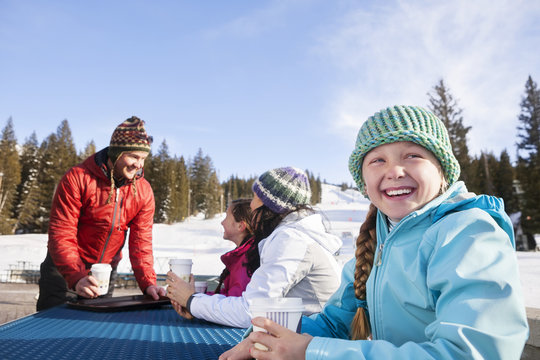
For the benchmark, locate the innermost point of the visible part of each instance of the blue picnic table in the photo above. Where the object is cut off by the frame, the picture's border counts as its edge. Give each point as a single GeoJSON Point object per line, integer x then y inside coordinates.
{"type": "Point", "coordinates": [68, 333]}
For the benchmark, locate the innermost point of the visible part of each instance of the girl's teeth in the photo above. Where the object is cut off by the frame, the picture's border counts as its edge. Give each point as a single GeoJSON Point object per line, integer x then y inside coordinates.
{"type": "Point", "coordinates": [398, 192]}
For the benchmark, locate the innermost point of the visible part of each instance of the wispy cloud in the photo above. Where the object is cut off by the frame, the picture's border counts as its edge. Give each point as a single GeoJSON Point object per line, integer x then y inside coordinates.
{"type": "Point", "coordinates": [396, 52]}
{"type": "Point", "coordinates": [257, 21]}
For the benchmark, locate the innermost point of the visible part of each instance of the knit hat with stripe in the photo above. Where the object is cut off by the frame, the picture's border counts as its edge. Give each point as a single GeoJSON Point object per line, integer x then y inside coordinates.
{"type": "Point", "coordinates": [404, 123]}
{"type": "Point", "coordinates": [129, 136]}
{"type": "Point", "coordinates": [283, 189]}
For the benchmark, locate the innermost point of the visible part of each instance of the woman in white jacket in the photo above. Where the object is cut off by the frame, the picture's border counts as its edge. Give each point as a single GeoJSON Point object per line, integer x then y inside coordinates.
{"type": "Point", "coordinates": [292, 255]}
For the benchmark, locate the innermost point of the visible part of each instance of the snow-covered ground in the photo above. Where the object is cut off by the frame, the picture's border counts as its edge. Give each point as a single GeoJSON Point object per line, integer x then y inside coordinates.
{"type": "Point", "coordinates": [202, 241]}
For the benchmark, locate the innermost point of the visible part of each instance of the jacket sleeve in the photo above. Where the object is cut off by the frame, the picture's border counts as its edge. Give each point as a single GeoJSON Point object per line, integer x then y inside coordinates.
{"type": "Point", "coordinates": [140, 239]}
{"type": "Point", "coordinates": [335, 318]}
{"type": "Point", "coordinates": [280, 258]}
{"type": "Point", "coordinates": [479, 313]}
{"type": "Point", "coordinates": [62, 245]}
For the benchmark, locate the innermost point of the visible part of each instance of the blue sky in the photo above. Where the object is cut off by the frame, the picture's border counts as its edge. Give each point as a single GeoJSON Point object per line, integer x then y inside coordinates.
{"type": "Point", "coordinates": [262, 84]}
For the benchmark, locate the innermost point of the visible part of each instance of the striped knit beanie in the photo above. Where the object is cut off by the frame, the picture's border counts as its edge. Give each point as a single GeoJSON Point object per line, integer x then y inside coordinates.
{"type": "Point", "coordinates": [129, 136]}
{"type": "Point", "coordinates": [283, 189]}
{"type": "Point", "coordinates": [404, 123]}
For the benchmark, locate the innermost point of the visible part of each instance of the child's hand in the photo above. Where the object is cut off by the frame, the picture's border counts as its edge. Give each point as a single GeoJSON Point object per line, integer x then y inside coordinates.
{"type": "Point", "coordinates": [239, 352]}
{"type": "Point", "coordinates": [281, 342]}
{"type": "Point", "coordinates": [182, 311]}
{"type": "Point", "coordinates": [179, 290]}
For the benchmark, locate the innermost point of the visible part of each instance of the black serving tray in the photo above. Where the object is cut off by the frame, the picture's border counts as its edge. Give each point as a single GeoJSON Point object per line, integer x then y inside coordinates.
{"type": "Point", "coordinates": [119, 303]}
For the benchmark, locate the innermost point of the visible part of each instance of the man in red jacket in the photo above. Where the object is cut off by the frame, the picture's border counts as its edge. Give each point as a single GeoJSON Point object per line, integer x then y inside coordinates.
{"type": "Point", "coordinates": [95, 204]}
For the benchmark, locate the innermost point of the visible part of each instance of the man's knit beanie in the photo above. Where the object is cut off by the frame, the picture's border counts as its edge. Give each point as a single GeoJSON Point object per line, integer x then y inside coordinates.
{"type": "Point", "coordinates": [129, 136]}
{"type": "Point", "coordinates": [283, 189]}
{"type": "Point", "coordinates": [404, 123]}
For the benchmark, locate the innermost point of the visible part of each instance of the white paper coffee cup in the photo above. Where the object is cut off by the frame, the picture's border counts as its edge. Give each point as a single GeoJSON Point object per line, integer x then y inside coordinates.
{"type": "Point", "coordinates": [287, 312]}
{"type": "Point", "coordinates": [201, 286]}
{"type": "Point", "coordinates": [102, 273]}
{"type": "Point", "coordinates": [181, 267]}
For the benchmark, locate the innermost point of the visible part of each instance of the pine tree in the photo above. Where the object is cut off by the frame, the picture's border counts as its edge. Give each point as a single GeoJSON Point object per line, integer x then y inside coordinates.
{"type": "Point", "coordinates": [47, 180]}
{"type": "Point", "coordinates": [181, 191]}
{"type": "Point", "coordinates": [230, 189]}
{"type": "Point", "coordinates": [58, 156]}
{"type": "Point", "coordinates": [319, 186]}
{"type": "Point", "coordinates": [161, 183]}
{"type": "Point", "coordinates": [484, 167]}
{"type": "Point", "coordinates": [491, 167]}
{"type": "Point", "coordinates": [89, 150]}
{"type": "Point", "coordinates": [214, 198]}
{"type": "Point", "coordinates": [234, 185]}
{"type": "Point", "coordinates": [236, 188]}
{"type": "Point", "coordinates": [248, 188]}
{"type": "Point", "coordinates": [445, 107]}
{"type": "Point", "coordinates": [66, 155]}
{"type": "Point", "coordinates": [27, 205]}
{"type": "Point", "coordinates": [528, 148]}
{"type": "Point", "coordinates": [315, 185]}
{"type": "Point", "coordinates": [10, 177]}
{"type": "Point", "coordinates": [199, 175]}
{"type": "Point", "coordinates": [503, 181]}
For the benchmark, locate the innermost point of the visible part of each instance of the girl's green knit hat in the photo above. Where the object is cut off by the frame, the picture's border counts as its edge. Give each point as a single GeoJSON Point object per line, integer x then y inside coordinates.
{"type": "Point", "coordinates": [404, 123]}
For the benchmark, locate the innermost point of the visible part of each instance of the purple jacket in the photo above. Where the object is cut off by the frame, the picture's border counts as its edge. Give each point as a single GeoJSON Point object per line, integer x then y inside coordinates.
{"type": "Point", "coordinates": [236, 282]}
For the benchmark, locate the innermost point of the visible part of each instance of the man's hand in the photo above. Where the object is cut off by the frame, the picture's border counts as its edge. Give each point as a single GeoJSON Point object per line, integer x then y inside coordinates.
{"type": "Point", "coordinates": [87, 287]}
{"type": "Point", "coordinates": [155, 291]}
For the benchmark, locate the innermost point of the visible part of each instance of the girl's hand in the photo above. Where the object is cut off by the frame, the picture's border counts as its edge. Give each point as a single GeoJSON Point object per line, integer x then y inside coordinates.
{"type": "Point", "coordinates": [179, 290]}
{"type": "Point", "coordinates": [239, 352]}
{"type": "Point", "coordinates": [182, 311]}
{"type": "Point", "coordinates": [281, 342]}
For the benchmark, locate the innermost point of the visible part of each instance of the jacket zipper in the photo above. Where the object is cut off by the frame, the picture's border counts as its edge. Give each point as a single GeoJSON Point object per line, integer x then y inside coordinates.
{"type": "Point", "coordinates": [378, 262]}
{"type": "Point", "coordinates": [375, 272]}
{"type": "Point", "coordinates": [120, 214]}
{"type": "Point", "coordinates": [112, 225]}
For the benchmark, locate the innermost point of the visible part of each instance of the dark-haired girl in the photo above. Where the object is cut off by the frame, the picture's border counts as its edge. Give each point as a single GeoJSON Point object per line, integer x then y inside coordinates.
{"type": "Point", "coordinates": [292, 255]}
{"type": "Point", "coordinates": [237, 229]}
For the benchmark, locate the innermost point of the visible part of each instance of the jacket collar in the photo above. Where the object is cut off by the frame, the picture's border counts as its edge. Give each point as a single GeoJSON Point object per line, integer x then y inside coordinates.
{"type": "Point", "coordinates": [456, 198]}
{"type": "Point", "coordinates": [233, 255]}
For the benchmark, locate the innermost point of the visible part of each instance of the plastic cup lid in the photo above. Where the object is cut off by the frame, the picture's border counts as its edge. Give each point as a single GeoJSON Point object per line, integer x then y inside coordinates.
{"type": "Point", "coordinates": [180, 261]}
{"type": "Point", "coordinates": [101, 267]}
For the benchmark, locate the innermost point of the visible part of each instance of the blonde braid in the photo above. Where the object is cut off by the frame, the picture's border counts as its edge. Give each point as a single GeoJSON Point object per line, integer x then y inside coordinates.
{"type": "Point", "coordinates": [365, 250]}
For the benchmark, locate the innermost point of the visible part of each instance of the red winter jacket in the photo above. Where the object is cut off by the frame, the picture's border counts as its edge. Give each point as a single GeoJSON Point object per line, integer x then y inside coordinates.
{"type": "Point", "coordinates": [84, 229]}
{"type": "Point", "coordinates": [236, 282]}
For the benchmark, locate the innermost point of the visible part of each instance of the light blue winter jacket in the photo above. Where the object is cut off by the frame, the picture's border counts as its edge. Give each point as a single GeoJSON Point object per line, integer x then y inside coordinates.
{"type": "Point", "coordinates": [446, 287]}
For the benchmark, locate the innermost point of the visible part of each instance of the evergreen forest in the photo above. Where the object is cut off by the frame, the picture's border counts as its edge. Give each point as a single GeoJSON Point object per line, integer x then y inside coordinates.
{"type": "Point", "coordinates": [30, 171]}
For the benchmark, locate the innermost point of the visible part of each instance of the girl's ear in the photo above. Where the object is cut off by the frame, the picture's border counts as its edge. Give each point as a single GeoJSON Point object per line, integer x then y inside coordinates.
{"type": "Point", "coordinates": [242, 226]}
{"type": "Point", "coordinates": [444, 183]}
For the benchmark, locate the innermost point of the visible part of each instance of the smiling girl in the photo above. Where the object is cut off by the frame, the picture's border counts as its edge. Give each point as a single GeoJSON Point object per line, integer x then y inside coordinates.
{"type": "Point", "coordinates": [435, 273]}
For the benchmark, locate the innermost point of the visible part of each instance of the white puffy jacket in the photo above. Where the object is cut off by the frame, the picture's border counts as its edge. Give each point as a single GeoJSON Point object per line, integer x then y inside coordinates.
{"type": "Point", "coordinates": [296, 261]}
